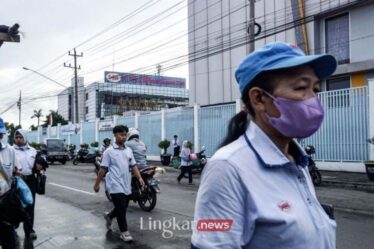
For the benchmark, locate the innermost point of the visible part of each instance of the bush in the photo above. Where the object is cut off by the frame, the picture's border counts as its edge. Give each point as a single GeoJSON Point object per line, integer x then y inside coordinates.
{"type": "Point", "coordinates": [95, 144]}
{"type": "Point", "coordinates": [35, 145]}
{"type": "Point", "coordinates": [164, 144]}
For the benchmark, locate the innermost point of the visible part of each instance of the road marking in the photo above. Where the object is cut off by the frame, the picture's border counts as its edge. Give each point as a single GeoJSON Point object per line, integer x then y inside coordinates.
{"type": "Point", "coordinates": [70, 188]}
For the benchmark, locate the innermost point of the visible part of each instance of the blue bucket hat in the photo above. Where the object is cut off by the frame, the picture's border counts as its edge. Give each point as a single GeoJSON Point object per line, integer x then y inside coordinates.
{"type": "Point", "coordinates": [2, 127]}
{"type": "Point", "coordinates": [281, 55]}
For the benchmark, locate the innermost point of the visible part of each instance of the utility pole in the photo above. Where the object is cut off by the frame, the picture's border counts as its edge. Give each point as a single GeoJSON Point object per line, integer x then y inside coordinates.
{"type": "Point", "coordinates": [19, 105]}
{"type": "Point", "coordinates": [251, 25]}
{"type": "Point", "coordinates": [75, 67]}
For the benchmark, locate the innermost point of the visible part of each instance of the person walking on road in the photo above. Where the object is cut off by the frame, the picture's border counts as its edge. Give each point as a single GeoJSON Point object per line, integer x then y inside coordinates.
{"type": "Point", "coordinates": [186, 162]}
{"type": "Point", "coordinates": [176, 146]}
{"type": "Point", "coordinates": [118, 161]}
{"type": "Point", "coordinates": [256, 187]}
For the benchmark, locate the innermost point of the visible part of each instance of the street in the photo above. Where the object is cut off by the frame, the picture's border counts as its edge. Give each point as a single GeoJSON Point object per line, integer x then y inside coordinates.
{"type": "Point", "coordinates": [70, 215]}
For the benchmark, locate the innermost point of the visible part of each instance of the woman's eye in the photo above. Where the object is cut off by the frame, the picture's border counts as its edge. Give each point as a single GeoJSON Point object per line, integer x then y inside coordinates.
{"type": "Point", "coordinates": [301, 88]}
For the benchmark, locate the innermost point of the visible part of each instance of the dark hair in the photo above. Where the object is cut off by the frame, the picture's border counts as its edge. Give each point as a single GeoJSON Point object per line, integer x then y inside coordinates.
{"type": "Point", "coordinates": [106, 140]}
{"type": "Point", "coordinates": [120, 128]}
{"type": "Point", "coordinates": [239, 123]}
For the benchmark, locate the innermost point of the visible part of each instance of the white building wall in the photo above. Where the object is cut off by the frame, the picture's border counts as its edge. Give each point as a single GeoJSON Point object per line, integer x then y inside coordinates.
{"type": "Point", "coordinates": [63, 103]}
{"type": "Point", "coordinates": [212, 79]}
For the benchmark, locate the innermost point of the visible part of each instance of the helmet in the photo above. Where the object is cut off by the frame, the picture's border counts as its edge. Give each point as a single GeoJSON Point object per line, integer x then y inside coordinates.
{"type": "Point", "coordinates": [310, 150]}
{"type": "Point", "coordinates": [193, 156]}
{"type": "Point", "coordinates": [133, 132]}
{"type": "Point", "coordinates": [106, 140]}
{"type": "Point", "coordinates": [2, 127]}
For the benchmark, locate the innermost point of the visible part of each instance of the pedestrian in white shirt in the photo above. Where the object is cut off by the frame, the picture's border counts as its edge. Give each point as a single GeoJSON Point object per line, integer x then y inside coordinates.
{"type": "Point", "coordinates": [118, 161]}
{"type": "Point", "coordinates": [26, 156]}
{"type": "Point", "coordinates": [256, 191]}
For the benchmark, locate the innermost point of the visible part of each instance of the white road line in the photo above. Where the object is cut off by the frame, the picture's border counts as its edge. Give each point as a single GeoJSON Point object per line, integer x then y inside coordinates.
{"type": "Point", "coordinates": [70, 188]}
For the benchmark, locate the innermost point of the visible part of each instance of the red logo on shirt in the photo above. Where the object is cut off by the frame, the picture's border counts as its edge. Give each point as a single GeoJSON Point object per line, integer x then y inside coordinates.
{"type": "Point", "coordinates": [284, 206]}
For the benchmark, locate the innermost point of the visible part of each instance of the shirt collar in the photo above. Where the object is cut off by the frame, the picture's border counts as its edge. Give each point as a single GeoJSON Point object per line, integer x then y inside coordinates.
{"type": "Point", "coordinates": [268, 152]}
{"type": "Point", "coordinates": [115, 146]}
{"type": "Point", "coordinates": [25, 147]}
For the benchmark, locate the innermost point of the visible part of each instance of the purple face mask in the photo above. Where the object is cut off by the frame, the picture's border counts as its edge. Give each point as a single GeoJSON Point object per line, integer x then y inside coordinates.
{"type": "Point", "coordinates": [299, 118]}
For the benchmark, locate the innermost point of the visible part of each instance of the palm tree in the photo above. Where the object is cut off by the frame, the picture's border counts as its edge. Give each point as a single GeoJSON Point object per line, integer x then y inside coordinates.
{"type": "Point", "coordinates": [37, 114]}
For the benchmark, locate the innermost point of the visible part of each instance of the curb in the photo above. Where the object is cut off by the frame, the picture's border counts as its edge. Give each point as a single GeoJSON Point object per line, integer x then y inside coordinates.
{"type": "Point", "coordinates": [350, 185]}
{"type": "Point", "coordinates": [354, 211]}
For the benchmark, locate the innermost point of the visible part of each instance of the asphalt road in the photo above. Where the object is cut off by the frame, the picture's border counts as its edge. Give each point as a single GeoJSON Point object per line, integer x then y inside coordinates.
{"type": "Point", "coordinates": [79, 211]}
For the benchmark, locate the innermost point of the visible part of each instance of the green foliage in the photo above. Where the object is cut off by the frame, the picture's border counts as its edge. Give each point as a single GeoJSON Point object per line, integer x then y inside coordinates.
{"type": "Point", "coordinates": [56, 119]}
{"type": "Point", "coordinates": [86, 146]}
{"type": "Point", "coordinates": [164, 144]}
{"type": "Point", "coordinates": [37, 114]}
{"type": "Point", "coordinates": [35, 145]}
{"type": "Point", "coordinates": [11, 128]}
{"type": "Point", "coordinates": [371, 140]}
{"type": "Point", "coordinates": [95, 144]}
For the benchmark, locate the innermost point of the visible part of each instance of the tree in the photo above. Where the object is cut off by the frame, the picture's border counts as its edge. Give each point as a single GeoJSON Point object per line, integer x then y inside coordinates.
{"type": "Point", "coordinates": [37, 114]}
{"type": "Point", "coordinates": [33, 127]}
{"type": "Point", "coordinates": [56, 119]}
{"type": "Point", "coordinates": [11, 128]}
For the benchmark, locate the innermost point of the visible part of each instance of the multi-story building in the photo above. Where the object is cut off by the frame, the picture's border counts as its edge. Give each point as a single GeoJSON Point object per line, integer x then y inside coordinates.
{"type": "Point", "coordinates": [219, 40]}
{"type": "Point", "coordinates": [124, 92]}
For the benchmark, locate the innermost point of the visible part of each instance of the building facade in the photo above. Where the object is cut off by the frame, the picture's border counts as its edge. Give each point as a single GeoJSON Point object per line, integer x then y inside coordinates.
{"type": "Point", "coordinates": [219, 40]}
{"type": "Point", "coordinates": [123, 93]}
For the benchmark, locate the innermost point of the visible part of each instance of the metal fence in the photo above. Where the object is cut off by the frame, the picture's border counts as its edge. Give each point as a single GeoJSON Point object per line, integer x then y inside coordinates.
{"type": "Point", "coordinates": [342, 137]}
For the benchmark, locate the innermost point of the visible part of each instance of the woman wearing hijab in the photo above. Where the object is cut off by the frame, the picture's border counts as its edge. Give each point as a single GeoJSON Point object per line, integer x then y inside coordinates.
{"type": "Point", "coordinates": [186, 162]}
{"type": "Point", "coordinates": [26, 156]}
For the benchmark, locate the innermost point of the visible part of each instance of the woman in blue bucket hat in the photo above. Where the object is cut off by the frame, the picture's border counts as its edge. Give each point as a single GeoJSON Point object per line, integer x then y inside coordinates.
{"type": "Point", "coordinates": [256, 191]}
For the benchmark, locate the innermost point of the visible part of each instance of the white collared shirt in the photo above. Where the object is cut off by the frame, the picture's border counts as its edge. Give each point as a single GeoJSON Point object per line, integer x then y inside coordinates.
{"type": "Point", "coordinates": [26, 158]}
{"type": "Point", "coordinates": [271, 201]}
{"type": "Point", "coordinates": [118, 161]}
{"type": "Point", "coordinates": [8, 160]}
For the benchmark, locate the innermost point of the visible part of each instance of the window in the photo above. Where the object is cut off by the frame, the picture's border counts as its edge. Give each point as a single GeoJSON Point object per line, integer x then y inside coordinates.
{"type": "Point", "coordinates": [337, 38]}
{"type": "Point", "coordinates": [338, 83]}
{"type": "Point", "coordinates": [86, 109]}
{"type": "Point", "coordinates": [86, 96]}
{"type": "Point", "coordinates": [338, 98]}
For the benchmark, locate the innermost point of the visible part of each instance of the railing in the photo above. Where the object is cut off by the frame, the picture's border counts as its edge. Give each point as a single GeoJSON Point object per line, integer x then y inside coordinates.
{"type": "Point", "coordinates": [342, 137]}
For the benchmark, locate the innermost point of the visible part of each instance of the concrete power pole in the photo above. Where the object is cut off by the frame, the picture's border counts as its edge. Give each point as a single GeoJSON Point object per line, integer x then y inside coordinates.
{"type": "Point", "coordinates": [252, 25]}
{"type": "Point", "coordinates": [75, 67]}
{"type": "Point", "coordinates": [19, 105]}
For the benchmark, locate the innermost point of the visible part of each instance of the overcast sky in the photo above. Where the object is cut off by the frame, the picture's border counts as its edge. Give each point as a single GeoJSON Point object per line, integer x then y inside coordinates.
{"type": "Point", "coordinates": [52, 28]}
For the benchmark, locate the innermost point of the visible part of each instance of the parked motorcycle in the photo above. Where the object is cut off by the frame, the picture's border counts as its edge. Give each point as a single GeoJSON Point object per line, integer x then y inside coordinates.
{"type": "Point", "coordinates": [145, 197]}
{"type": "Point", "coordinates": [313, 170]}
{"type": "Point", "coordinates": [84, 156]}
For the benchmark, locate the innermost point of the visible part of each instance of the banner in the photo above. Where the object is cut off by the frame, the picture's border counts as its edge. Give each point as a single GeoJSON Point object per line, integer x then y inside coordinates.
{"type": "Point", "coordinates": [70, 129]}
{"type": "Point", "coordinates": [143, 79]}
{"type": "Point", "coordinates": [106, 126]}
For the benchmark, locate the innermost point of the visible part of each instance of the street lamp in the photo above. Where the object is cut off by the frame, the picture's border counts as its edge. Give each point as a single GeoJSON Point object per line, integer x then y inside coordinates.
{"type": "Point", "coordinates": [28, 69]}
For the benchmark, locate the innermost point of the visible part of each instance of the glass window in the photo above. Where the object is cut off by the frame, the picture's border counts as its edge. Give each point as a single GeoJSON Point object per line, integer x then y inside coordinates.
{"type": "Point", "coordinates": [338, 83]}
{"type": "Point", "coordinates": [337, 38]}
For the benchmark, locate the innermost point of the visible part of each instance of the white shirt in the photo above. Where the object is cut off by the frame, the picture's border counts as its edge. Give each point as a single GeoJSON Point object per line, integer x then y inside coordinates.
{"type": "Point", "coordinates": [8, 159]}
{"type": "Point", "coordinates": [271, 201]}
{"type": "Point", "coordinates": [118, 161]}
{"type": "Point", "coordinates": [26, 158]}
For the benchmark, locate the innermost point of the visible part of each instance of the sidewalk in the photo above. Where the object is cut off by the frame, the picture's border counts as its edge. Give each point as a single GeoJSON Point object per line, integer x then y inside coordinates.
{"type": "Point", "coordinates": [59, 225]}
{"type": "Point", "coordinates": [358, 181]}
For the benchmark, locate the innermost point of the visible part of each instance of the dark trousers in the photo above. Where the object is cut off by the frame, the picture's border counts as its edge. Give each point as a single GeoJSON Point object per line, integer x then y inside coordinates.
{"type": "Point", "coordinates": [28, 227]}
{"type": "Point", "coordinates": [121, 202]}
{"type": "Point", "coordinates": [184, 170]}
{"type": "Point", "coordinates": [7, 236]}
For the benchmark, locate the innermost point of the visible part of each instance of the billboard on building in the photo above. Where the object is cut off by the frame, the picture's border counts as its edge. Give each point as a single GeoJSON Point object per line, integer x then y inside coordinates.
{"type": "Point", "coordinates": [70, 129]}
{"type": "Point", "coordinates": [144, 79]}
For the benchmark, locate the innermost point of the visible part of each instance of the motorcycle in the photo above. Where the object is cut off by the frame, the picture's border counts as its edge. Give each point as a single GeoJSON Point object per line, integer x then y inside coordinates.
{"type": "Point", "coordinates": [313, 170]}
{"type": "Point", "coordinates": [145, 197]}
{"type": "Point", "coordinates": [84, 156]}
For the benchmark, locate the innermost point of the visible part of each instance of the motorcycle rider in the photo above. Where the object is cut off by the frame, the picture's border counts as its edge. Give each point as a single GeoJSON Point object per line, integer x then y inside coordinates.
{"type": "Point", "coordinates": [139, 149]}
{"type": "Point", "coordinates": [106, 144]}
{"type": "Point", "coordinates": [9, 166]}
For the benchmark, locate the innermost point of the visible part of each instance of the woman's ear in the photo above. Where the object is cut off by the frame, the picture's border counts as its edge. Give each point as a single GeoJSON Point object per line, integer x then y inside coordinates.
{"type": "Point", "coordinates": [257, 99]}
